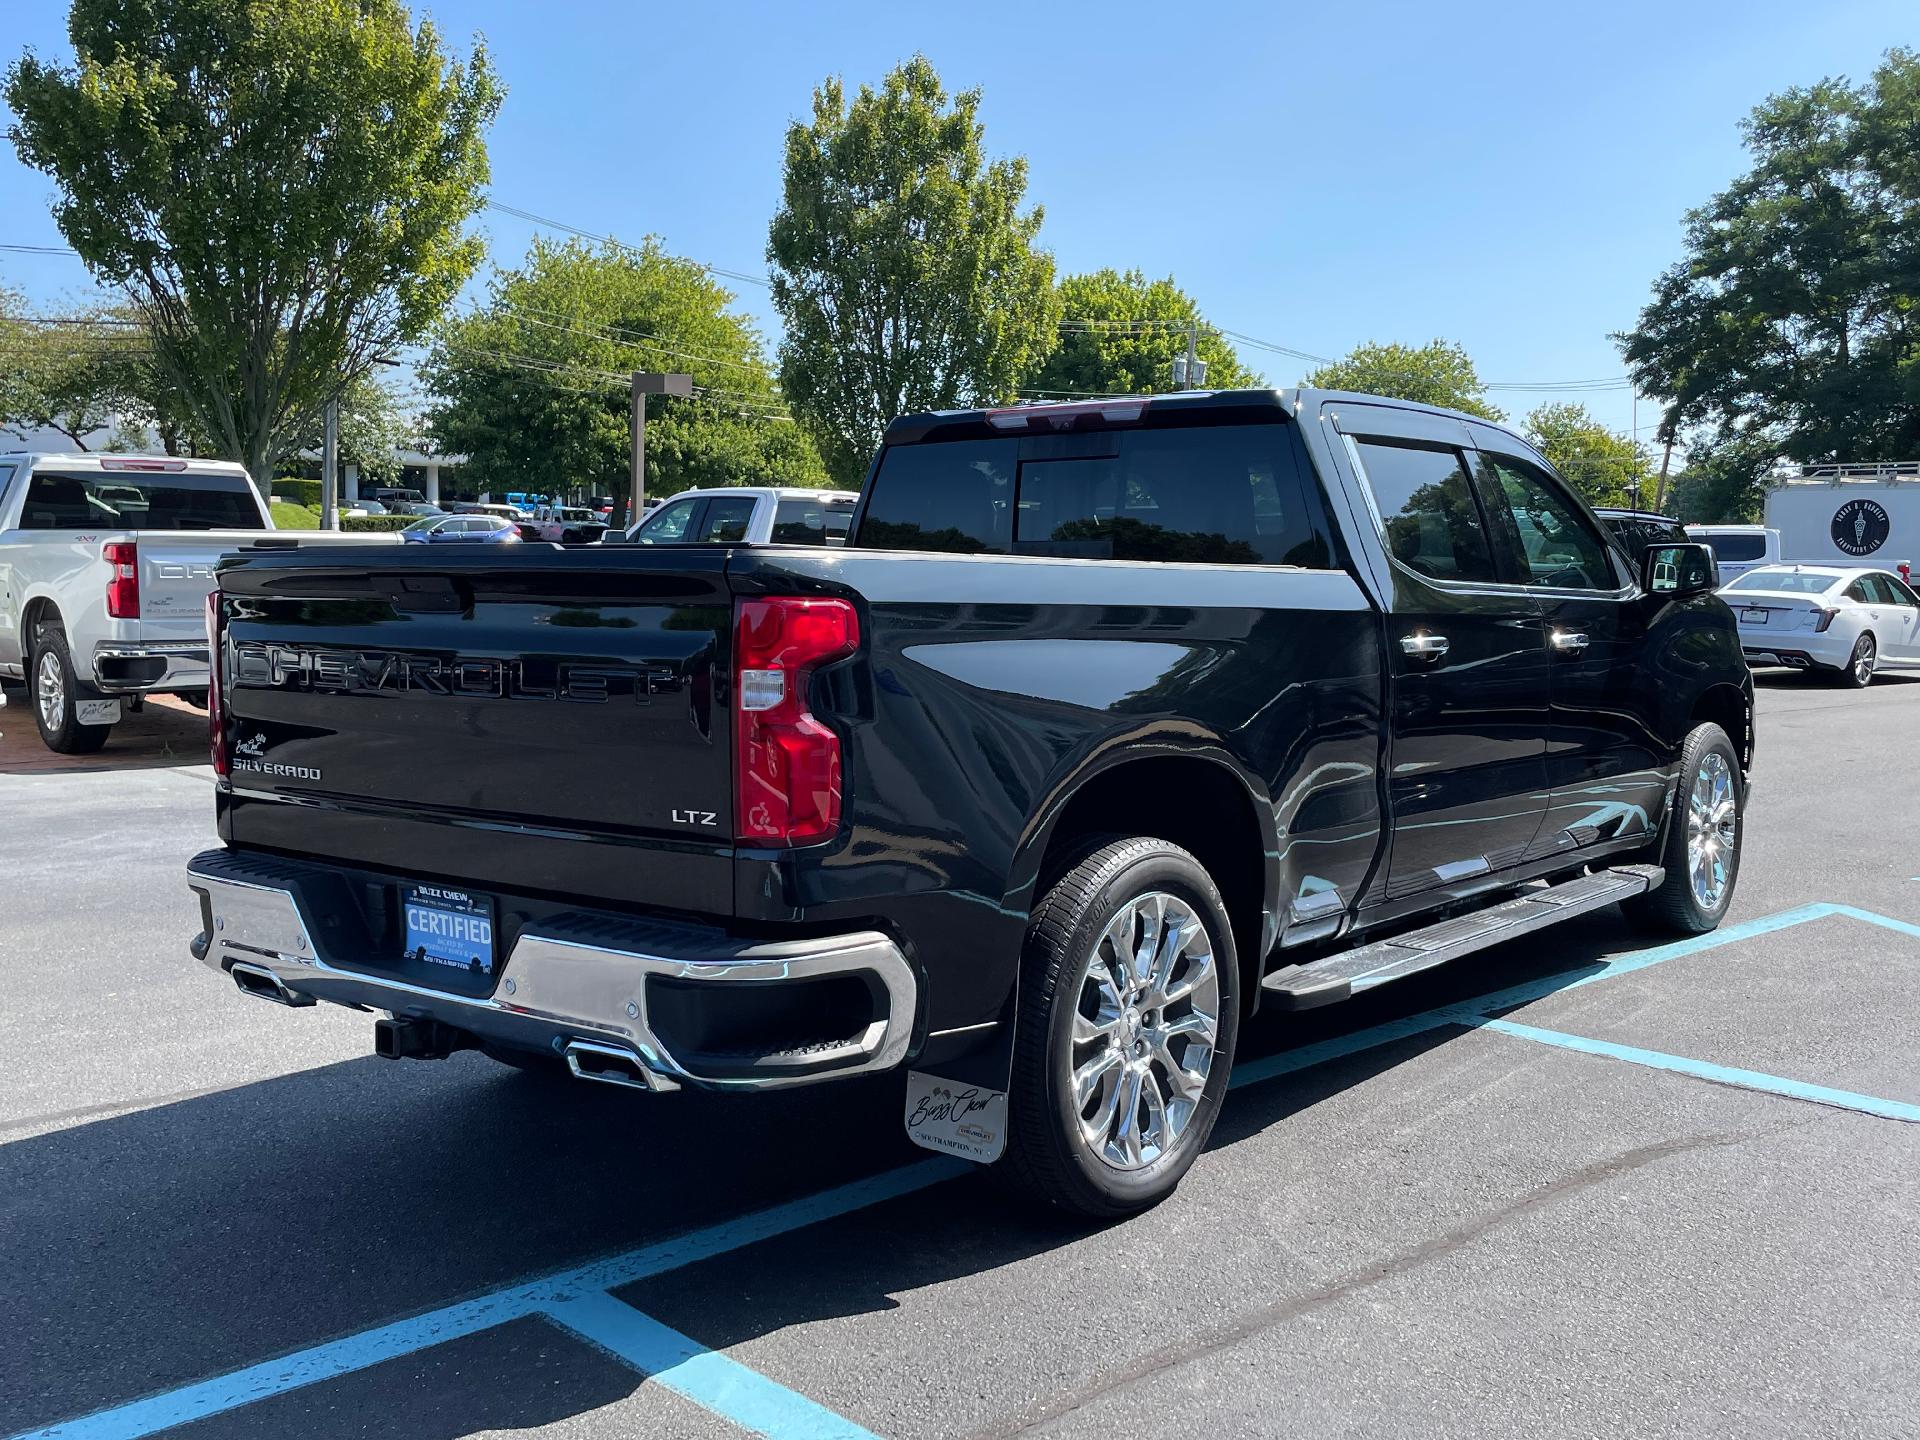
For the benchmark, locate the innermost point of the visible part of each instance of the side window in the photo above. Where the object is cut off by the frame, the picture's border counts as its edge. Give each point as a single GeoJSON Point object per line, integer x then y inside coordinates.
{"type": "Point", "coordinates": [1900, 593]}
{"type": "Point", "coordinates": [1861, 593]}
{"type": "Point", "coordinates": [1557, 546]}
{"type": "Point", "coordinates": [668, 524]}
{"type": "Point", "coordinates": [726, 520]}
{"type": "Point", "coordinates": [1428, 515]}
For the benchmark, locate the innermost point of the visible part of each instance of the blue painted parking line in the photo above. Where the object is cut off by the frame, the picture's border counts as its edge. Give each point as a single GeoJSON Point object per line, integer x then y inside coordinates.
{"type": "Point", "coordinates": [1719, 1074]}
{"type": "Point", "coordinates": [711, 1380]}
{"type": "Point", "coordinates": [577, 1297]}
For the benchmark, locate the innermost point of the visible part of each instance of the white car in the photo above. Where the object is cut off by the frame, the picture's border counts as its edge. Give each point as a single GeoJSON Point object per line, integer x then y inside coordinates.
{"type": "Point", "coordinates": [105, 565]}
{"type": "Point", "coordinates": [1832, 618]}
{"type": "Point", "coordinates": [749, 515]}
{"type": "Point", "coordinates": [1738, 548]}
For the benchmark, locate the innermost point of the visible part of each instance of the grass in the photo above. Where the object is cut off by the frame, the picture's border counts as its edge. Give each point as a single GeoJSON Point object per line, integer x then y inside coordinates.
{"type": "Point", "coordinates": [294, 517]}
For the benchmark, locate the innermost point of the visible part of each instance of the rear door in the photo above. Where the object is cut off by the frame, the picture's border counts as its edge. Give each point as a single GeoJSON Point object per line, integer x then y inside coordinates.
{"type": "Point", "coordinates": [1607, 768]}
{"type": "Point", "coordinates": [1900, 615]}
{"type": "Point", "coordinates": [1469, 695]}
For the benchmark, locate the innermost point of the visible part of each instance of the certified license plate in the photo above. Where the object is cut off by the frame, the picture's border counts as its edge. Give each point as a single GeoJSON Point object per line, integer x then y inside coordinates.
{"type": "Point", "coordinates": [1753, 617]}
{"type": "Point", "coordinates": [449, 927]}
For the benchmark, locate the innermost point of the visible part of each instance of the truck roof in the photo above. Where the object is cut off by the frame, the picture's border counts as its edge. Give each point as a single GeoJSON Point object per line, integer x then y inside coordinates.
{"type": "Point", "coordinates": [1150, 411]}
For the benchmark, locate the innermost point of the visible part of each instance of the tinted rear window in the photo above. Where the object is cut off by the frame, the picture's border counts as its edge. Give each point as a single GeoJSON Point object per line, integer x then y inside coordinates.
{"type": "Point", "coordinates": [1736, 547]}
{"type": "Point", "coordinates": [806, 521]}
{"type": "Point", "coordinates": [1223, 495]}
{"type": "Point", "coordinates": [131, 500]}
{"type": "Point", "coordinates": [1792, 582]}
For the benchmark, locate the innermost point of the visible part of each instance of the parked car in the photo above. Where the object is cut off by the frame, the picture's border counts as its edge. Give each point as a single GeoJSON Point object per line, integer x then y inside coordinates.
{"type": "Point", "coordinates": [1845, 621]}
{"type": "Point", "coordinates": [1640, 530]}
{"type": "Point", "coordinates": [749, 515]}
{"type": "Point", "coordinates": [105, 565]}
{"type": "Point", "coordinates": [468, 507]}
{"type": "Point", "coordinates": [397, 498]}
{"type": "Point", "coordinates": [365, 506]}
{"type": "Point", "coordinates": [563, 524]}
{"type": "Point", "coordinates": [1116, 720]}
{"type": "Point", "coordinates": [1738, 548]}
{"type": "Point", "coordinates": [468, 529]}
{"type": "Point", "coordinates": [414, 507]}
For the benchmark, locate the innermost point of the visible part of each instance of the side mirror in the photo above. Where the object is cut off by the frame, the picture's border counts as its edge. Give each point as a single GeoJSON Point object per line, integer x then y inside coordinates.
{"type": "Point", "coordinates": [1677, 571]}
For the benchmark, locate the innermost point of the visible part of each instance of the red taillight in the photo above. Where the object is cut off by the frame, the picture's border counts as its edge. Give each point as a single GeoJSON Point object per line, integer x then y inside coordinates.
{"type": "Point", "coordinates": [1826, 619]}
{"type": "Point", "coordinates": [123, 590]}
{"type": "Point", "coordinates": [216, 701]}
{"type": "Point", "coordinates": [787, 780]}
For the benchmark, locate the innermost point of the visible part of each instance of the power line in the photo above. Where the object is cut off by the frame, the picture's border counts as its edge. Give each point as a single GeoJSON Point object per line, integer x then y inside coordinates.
{"type": "Point", "coordinates": [38, 250]}
{"type": "Point", "coordinates": [599, 239]}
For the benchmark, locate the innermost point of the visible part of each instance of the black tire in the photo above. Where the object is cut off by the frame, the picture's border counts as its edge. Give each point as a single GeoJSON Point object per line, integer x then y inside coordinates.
{"type": "Point", "coordinates": [1047, 1154]}
{"type": "Point", "coordinates": [1676, 908]}
{"type": "Point", "coordinates": [50, 666]}
{"type": "Point", "coordinates": [1857, 673]}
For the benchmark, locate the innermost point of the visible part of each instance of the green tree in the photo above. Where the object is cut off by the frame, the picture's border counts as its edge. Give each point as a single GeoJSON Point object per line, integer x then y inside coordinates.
{"type": "Point", "coordinates": [280, 187]}
{"type": "Point", "coordinates": [1438, 373]}
{"type": "Point", "coordinates": [1601, 463]}
{"type": "Point", "coordinates": [76, 375]}
{"type": "Point", "coordinates": [1790, 322]}
{"type": "Point", "coordinates": [1120, 334]}
{"type": "Point", "coordinates": [904, 269]}
{"type": "Point", "coordinates": [532, 387]}
{"type": "Point", "coordinates": [1724, 481]}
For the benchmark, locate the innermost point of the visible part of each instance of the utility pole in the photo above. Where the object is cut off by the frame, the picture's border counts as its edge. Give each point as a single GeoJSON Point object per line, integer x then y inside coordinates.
{"type": "Point", "coordinates": [645, 384]}
{"type": "Point", "coordinates": [330, 468]}
{"type": "Point", "coordinates": [1189, 370]}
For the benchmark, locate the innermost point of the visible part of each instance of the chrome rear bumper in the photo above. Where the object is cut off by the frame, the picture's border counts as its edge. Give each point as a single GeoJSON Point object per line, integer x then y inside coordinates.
{"type": "Point", "coordinates": [579, 980]}
{"type": "Point", "coordinates": [135, 667]}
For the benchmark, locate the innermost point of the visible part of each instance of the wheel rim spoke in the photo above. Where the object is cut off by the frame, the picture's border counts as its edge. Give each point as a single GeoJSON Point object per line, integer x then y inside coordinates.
{"type": "Point", "coordinates": [1141, 1043]}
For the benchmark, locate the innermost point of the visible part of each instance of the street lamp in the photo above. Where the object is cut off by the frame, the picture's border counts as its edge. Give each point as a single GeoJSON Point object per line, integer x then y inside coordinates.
{"type": "Point", "coordinates": [645, 384]}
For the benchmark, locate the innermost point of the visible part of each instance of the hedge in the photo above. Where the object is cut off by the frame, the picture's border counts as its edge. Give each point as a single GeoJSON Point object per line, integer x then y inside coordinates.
{"type": "Point", "coordinates": [296, 491]}
{"type": "Point", "coordinates": [377, 522]}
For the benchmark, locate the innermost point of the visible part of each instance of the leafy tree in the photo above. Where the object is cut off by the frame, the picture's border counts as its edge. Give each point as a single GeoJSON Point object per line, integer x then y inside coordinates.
{"type": "Point", "coordinates": [279, 186]}
{"type": "Point", "coordinates": [1790, 322]}
{"type": "Point", "coordinates": [372, 427]}
{"type": "Point", "coordinates": [1601, 463]}
{"type": "Point", "coordinates": [75, 377]}
{"type": "Point", "coordinates": [905, 271]}
{"type": "Point", "coordinates": [1724, 481]}
{"type": "Point", "coordinates": [1120, 336]}
{"type": "Point", "coordinates": [1438, 373]}
{"type": "Point", "coordinates": [533, 386]}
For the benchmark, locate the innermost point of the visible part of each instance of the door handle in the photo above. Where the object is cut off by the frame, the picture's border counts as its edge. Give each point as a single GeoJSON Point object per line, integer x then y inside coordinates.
{"type": "Point", "coordinates": [1569, 642]}
{"type": "Point", "coordinates": [1424, 647]}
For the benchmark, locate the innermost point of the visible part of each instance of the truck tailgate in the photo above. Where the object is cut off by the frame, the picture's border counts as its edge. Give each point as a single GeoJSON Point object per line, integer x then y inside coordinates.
{"type": "Point", "coordinates": [525, 719]}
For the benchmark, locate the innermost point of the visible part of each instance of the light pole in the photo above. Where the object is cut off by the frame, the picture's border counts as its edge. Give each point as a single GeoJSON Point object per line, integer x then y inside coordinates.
{"type": "Point", "coordinates": [644, 384]}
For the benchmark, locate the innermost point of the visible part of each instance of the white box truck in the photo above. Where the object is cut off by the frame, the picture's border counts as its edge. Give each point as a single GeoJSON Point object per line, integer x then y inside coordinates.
{"type": "Point", "coordinates": [1848, 514]}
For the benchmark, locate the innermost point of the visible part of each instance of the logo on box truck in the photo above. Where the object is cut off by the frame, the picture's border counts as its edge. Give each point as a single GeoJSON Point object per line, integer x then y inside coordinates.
{"type": "Point", "coordinates": [1860, 527]}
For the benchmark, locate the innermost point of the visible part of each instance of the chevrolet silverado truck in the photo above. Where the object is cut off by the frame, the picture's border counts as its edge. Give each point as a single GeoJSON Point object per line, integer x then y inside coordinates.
{"type": "Point", "coordinates": [1113, 721]}
{"type": "Point", "coordinates": [105, 565]}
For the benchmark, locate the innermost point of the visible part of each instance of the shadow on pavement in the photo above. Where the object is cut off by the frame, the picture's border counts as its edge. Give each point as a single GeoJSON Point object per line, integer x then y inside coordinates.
{"type": "Point", "coordinates": [165, 732]}
{"type": "Point", "coordinates": [158, 1248]}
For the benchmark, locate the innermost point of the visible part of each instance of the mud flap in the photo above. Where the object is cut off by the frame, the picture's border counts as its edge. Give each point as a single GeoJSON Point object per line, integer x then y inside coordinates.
{"type": "Point", "coordinates": [959, 1106]}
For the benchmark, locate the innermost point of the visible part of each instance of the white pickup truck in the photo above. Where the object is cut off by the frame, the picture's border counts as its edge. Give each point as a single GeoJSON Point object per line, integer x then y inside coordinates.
{"type": "Point", "coordinates": [749, 515]}
{"type": "Point", "coordinates": [105, 565]}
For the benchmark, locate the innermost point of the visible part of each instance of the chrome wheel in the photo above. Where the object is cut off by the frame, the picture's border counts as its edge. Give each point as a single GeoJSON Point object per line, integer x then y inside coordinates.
{"type": "Point", "coordinates": [1144, 1030]}
{"type": "Point", "coordinates": [50, 689]}
{"type": "Point", "coordinates": [1863, 658]}
{"type": "Point", "coordinates": [1713, 830]}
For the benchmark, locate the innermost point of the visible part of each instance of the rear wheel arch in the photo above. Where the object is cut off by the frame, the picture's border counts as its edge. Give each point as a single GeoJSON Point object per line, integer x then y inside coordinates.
{"type": "Point", "coordinates": [1198, 800]}
{"type": "Point", "coordinates": [1729, 707]}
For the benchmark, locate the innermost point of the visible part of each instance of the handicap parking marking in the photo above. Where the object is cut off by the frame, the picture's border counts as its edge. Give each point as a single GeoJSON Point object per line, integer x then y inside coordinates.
{"type": "Point", "coordinates": [577, 1298]}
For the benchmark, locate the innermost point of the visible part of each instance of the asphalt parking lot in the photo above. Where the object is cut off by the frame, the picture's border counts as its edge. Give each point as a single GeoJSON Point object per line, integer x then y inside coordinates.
{"type": "Point", "coordinates": [1573, 1187]}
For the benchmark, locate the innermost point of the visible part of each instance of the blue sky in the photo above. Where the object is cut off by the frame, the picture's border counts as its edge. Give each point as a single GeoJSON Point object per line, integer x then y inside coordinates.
{"type": "Point", "coordinates": [1510, 176]}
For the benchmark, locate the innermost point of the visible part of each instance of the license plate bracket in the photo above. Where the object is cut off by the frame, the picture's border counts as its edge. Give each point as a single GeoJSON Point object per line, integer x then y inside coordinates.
{"type": "Point", "coordinates": [446, 927]}
{"type": "Point", "coordinates": [1753, 617]}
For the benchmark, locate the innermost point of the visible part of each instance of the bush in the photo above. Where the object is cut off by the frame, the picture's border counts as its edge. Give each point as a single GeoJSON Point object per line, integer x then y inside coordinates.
{"type": "Point", "coordinates": [376, 522]}
{"type": "Point", "coordinates": [294, 517]}
{"type": "Point", "coordinates": [296, 491]}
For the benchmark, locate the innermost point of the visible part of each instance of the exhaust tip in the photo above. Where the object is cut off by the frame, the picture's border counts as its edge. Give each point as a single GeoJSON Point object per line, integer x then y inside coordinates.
{"type": "Point", "coordinates": [259, 981]}
{"type": "Point", "coordinates": [608, 1064]}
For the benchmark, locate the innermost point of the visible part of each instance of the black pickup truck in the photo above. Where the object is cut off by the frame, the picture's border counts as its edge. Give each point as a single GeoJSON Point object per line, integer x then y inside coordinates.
{"type": "Point", "coordinates": [1113, 721]}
